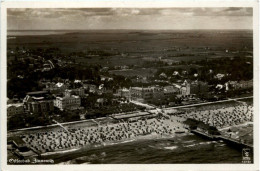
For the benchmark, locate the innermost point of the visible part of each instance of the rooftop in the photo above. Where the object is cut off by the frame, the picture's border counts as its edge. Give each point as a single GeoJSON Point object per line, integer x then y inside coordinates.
{"type": "Point", "coordinates": [68, 97]}
{"type": "Point", "coordinates": [15, 105]}
{"type": "Point", "coordinates": [37, 92]}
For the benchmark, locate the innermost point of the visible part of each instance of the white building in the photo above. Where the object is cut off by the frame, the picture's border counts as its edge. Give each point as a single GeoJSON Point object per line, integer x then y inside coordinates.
{"type": "Point", "coordinates": [76, 91]}
{"type": "Point", "coordinates": [163, 75]}
{"type": "Point", "coordinates": [170, 91]}
{"type": "Point", "coordinates": [67, 102]}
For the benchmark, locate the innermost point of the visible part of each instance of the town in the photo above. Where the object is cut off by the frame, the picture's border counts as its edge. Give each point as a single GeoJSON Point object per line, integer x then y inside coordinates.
{"type": "Point", "coordinates": [59, 101]}
{"type": "Point", "coordinates": [130, 83]}
{"type": "Point", "coordinates": [66, 91]}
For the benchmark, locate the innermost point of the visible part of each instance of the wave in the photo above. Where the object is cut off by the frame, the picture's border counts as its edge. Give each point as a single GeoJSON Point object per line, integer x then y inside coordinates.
{"type": "Point", "coordinates": [156, 146]}
{"type": "Point", "coordinates": [86, 159]}
{"type": "Point", "coordinates": [202, 143]}
{"type": "Point", "coordinates": [191, 145]}
{"type": "Point", "coordinates": [221, 145]}
{"type": "Point", "coordinates": [59, 152]}
{"type": "Point", "coordinates": [114, 143]}
{"type": "Point", "coordinates": [127, 141]}
{"type": "Point", "coordinates": [170, 148]}
{"type": "Point", "coordinates": [186, 142]}
{"type": "Point", "coordinates": [208, 142]}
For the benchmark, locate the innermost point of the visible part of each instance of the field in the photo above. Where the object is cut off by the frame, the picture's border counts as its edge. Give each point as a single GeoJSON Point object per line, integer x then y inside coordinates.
{"type": "Point", "coordinates": [128, 47]}
{"type": "Point", "coordinates": [108, 61]}
{"type": "Point", "coordinates": [144, 72]}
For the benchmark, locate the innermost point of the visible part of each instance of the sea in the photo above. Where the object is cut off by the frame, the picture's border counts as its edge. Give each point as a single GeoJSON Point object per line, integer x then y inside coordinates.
{"type": "Point", "coordinates": [57, 32]}
{"type": "Point", "coordinates": [36, 32]}
{"type": "Point", "coordinates": [182, 149]}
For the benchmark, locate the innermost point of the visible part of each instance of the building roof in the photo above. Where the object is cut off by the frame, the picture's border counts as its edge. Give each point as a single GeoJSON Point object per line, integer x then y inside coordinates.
{"type": "Point", "coordinates": [15, 105]}
{"type": "Point", "coordinates": [136, 88]}
{"type": "Point", "coordinates": [175, 73]}
{"type": "Point", "coordinates": [17, 141]}
{"type": "Point", "coordinates": [219, 86]}
{"type": "Point", "coordinates": [169, 89]}
{"type": "Point", "coordinates": [163, 75]}
{"type": "Point", "coordinates": [68, 97]}
{"type": "Point", "coordinates": [38, 96]}
{"type": "Point", "coordinates": [142, 88]}
{"type": "Point", "coordinates": [177, 86]}
{"type": "Point", "coordinates": [100, 100]}
{"type": "Point", "coordinates": [125, 90]}
{"type": "Point", "coordinates": [37, 92]}
{"type": "Point", "coordinates": [59, 84]}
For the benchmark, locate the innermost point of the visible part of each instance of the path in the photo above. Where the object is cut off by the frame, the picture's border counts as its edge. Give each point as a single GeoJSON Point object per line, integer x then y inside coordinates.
{"type": "Point", "coordinates": [61, 125]}
{"type": "Point", "coordinates": [200, 104]}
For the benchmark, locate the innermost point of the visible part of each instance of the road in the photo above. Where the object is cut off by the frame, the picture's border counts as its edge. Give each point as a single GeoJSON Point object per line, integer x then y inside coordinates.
{"type": "Point", "coordinates": [191, 105]}
{"type": "Point", "coordinates": [156, 110]}
{"type": "Point", "coordinates": [60, 125]}
{"type": "Point", "coordinates": [143, 104]}
{"type": "Point", "coordinates": [200, 104]}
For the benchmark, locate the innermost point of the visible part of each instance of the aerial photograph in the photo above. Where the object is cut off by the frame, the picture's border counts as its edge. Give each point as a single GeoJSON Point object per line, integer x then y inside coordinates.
{"type": "Point", "coordinates": [130, 86]}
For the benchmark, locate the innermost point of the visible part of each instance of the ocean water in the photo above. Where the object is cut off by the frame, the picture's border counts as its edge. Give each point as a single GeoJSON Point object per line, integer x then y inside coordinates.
{"type": "Point", "coordinates": [36, 32]}
{"type": "Point", "coordinates": [181, 149]}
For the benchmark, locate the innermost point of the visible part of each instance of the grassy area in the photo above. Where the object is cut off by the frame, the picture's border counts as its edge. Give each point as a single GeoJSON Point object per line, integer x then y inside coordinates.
{"type": "Point", "coordinates": [176, 45]}
{"type": "Point", "coordinates": [148, 72]}
{"type": "Point", "coordinates": [108, 61]}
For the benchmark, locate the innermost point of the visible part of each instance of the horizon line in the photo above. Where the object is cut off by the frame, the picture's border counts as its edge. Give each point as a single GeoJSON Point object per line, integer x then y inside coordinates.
{"type": "Point", "coordinates": [117, 29]}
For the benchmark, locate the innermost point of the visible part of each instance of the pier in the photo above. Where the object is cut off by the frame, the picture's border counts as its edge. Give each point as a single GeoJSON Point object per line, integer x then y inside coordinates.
{"type": "Point", "coordinates": [234, 141]}
{"type": "Point", "coordinates": [224, 138]}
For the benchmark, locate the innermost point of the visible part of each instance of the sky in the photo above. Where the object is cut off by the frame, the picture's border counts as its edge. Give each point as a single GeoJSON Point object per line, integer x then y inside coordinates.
{"type": "Point", "coordinates": [129, 18]}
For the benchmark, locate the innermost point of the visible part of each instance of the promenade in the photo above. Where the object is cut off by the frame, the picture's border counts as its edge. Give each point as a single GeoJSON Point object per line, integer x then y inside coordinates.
{"type": "Point", "coordinates": [108, 119]}
{"type": "Point", "coordinates": [207, 103]}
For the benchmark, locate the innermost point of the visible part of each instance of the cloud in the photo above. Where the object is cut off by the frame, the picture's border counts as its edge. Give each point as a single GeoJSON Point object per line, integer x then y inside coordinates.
{"type": "Point", "coordinates": [146, 18]}
{"type": "Point", "coordinates": [59, 12]}
{"type": "Point", "coordinates": [223, 11]}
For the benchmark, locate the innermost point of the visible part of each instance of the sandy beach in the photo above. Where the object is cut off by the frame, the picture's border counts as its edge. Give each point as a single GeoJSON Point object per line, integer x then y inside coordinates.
{"type": "Point", "coordinates": [223, 117]}
{"type": "Point", "coordinates": [61, 141]}
{"type": "Point", "coordinates": [75, 137]}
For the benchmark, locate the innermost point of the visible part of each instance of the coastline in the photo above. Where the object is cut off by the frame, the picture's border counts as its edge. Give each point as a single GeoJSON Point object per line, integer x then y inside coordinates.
{"type": "Point", "coordinates": [142, 130]}
{"type": "Point", "coordinates": [92, 146]}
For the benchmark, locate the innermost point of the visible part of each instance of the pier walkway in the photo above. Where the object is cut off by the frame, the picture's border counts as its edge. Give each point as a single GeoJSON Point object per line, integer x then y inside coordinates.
{"type": "Point", "coordinates": [221, 137]}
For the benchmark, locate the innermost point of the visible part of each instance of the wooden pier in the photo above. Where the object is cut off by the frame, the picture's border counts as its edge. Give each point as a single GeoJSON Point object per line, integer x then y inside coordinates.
{"type": "Point", "coordinates": [224, 138]}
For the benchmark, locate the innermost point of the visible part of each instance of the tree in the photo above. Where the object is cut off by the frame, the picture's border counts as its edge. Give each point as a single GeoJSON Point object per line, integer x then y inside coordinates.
{"type": "Point", "coordinates": [15, 122]}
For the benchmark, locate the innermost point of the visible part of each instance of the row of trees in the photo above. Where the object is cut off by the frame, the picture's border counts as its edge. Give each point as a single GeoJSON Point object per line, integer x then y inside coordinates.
{"type": "Point", "coordinates": [239, 68]}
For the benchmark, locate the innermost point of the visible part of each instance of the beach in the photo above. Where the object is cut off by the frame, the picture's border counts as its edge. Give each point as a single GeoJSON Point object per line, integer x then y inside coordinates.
{"type": "Point", "coordinates": [52, 142]}
{"type": "Point", "coordinates": [180, 149]}
{"type": "Point", "coordinates": [223, 117]}
{"type": "Point", "coordinates": [77, 139]}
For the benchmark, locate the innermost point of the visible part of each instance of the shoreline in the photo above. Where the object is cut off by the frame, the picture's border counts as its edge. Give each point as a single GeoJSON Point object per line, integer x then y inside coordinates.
{"type": "Point", "coordinates": [104, 144]}
{"type": "Point", "coordinates": [84, 137]}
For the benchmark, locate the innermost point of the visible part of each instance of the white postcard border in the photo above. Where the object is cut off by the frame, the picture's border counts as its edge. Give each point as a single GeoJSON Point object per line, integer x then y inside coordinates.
{"type": "Point", "coordinates": [129, 4]}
